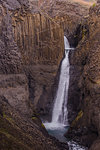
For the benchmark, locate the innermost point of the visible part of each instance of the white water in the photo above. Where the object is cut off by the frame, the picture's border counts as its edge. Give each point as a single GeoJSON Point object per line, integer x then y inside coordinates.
{"type": "Point", "coordinates": [59, 124]}
{"type": "Point", "coordinates": [60, 113]}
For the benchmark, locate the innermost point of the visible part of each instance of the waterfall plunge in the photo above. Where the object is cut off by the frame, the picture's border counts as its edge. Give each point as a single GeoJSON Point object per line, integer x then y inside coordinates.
{"type": "Point", "coordinates": [60, 113]}
{"type": "Point", "coordinates": [60, 107]}
{"type": "Point", "coordinates": [58, 126]}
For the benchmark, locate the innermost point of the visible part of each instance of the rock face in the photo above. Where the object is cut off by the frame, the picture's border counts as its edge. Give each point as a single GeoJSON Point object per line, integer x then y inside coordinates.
{"type": "Point", "coordinates": [86, 59]}
{"type": "Point", "coordinates": [39, 36]}
{"type": "Point", "coordinates": [20, 127]}
{"type": "Point", "coordinates": [68, 14]}
{"type": "Point", "coordinates": [40, 41]}
{"type": "Point", "coordinates": [23, 133]}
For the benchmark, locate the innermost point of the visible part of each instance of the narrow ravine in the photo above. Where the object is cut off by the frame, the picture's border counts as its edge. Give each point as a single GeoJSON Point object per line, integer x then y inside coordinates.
{"type": "Point", "coordinates": [59, 123]}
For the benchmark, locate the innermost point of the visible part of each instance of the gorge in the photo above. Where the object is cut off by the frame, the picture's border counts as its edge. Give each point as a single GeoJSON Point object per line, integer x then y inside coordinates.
{"type": "Point", "coordinates": [33, 63]}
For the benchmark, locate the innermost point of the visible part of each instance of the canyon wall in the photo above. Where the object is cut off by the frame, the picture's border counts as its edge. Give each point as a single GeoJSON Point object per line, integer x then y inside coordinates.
{"type": "Point", "coordinates": [87, 63]}
{"type": "Point", "coordinates": [41, 44]}
{"type": "Point", "coordinates": [20, 126]}
{"type": "Point", "coordinates": [39, 36]}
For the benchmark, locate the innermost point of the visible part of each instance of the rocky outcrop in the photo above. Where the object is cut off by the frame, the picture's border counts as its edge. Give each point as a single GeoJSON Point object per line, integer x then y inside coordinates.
{"type": "Point", "coordinates": [87, 59]}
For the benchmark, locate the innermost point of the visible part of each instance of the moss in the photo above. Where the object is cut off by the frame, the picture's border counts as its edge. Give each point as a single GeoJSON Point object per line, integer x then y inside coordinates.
{"type": "Point", "coordinates": [80, 114]}
{"type": "Point", "coordinates": [34, 118]}
{"type": "Point", "coordinates": [94, 5]}
{"type": "Point", "coordinates": [8, 118]}
{"type": "Point", "coordinates": [42, 125]}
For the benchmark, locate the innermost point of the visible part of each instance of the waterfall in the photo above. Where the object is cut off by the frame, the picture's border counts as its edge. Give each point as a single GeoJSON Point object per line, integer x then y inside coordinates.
{"type": "Point", "coordinates": [59, 124]}
{"type": "Point", "coordinates": [60, 112]}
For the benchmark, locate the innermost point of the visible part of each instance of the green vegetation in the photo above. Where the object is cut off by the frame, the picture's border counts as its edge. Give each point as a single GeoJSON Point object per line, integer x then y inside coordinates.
{"type": "Point", "coordinates": [8, 118]}
{"type": "Point", "coordinates": [80, 114]}
{"type": "Point", "coordinates": [83, 33]}
{"type": "Point", "coordinates": [34, 118]}
{"type": "Point", "coordinates": [94, 5]}
{"type": "Point", "coordinates": [42, 125]}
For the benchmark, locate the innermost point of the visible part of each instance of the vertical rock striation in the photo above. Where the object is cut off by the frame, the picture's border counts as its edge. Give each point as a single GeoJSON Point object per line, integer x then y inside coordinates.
{"type": "Point", "coordinates": [20, 127]}
{"type": "Point", "coordinates": [40, 41]}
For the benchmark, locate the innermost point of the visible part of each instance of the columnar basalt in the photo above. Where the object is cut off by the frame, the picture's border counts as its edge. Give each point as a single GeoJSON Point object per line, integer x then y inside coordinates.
{"type": "Point", "coordinates": [39, 39]}
{"type": "Point", "coordinates": [20, 126]}
{"type": "Point", "coordinates": [41, 44]}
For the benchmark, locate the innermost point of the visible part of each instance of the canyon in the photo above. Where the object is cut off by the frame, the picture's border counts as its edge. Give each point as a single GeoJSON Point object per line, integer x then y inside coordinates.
{"type": "Point", "coordinates": [31, 52]}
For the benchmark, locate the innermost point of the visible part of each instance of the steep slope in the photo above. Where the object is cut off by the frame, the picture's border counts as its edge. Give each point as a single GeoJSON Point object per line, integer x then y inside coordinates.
{"type": "Point", "coordinates": [23, 133]}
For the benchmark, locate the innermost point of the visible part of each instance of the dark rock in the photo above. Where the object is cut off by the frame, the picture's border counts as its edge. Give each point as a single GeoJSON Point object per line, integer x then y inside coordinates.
{"type": "Point", "coordinates": [20, 127]}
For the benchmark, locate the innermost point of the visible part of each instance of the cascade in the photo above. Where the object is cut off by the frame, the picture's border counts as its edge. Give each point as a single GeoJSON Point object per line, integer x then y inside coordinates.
{"type": "Point", "coordinates": [59, 124]}
{"type": "Point", "coordinates": [60, 112]}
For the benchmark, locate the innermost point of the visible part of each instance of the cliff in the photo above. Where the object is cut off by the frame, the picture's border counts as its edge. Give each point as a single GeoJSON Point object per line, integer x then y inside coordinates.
{"type": "Point", "coordinates": [40, 41]}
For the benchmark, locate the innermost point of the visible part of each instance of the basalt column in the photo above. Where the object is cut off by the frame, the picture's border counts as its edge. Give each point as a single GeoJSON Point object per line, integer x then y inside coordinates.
{"type": "Point", "coordinates": [40, 40]}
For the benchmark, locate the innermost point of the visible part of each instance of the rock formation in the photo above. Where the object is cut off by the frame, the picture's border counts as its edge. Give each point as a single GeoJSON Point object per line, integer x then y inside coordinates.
{"type": "Point", "coordinates": [20, 126]}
